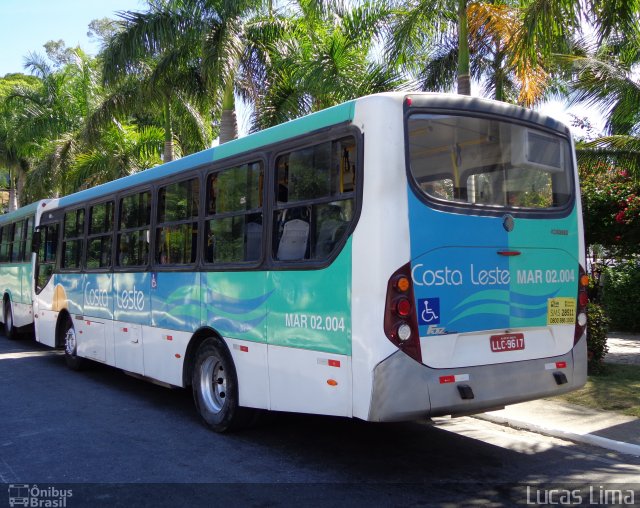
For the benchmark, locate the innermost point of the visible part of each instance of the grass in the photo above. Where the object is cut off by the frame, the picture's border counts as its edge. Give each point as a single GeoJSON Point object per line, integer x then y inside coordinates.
{"type": "Point", "coordinates": [615, 388]}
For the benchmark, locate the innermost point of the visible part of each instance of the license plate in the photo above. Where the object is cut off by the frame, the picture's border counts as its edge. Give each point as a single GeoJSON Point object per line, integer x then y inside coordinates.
{"type": "Point", "coordinates": [507, 342]}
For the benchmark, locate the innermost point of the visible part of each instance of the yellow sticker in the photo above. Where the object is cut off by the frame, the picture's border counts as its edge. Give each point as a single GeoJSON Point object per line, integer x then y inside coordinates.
{"type": "Point", "coordinates": [561, 311]}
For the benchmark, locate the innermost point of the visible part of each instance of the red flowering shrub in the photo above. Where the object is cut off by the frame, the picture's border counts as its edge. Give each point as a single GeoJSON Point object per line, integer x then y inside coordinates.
{"type": "Point", "coordinates": [611, 208]}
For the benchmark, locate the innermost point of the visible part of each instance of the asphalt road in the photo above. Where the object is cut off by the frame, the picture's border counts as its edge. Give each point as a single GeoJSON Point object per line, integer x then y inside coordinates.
{"type": "Point", "coordinates": [113, 440]}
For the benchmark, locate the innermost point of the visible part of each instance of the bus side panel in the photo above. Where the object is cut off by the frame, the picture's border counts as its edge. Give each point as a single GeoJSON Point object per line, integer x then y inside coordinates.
{"type": "Point", "coordinates": [309, 337]}
{"type": "Point", "coordinates": [235, 304]}
{"type": "Point", "coordinates": [250, 360]}
{"type": "Point", "coordinates": [380, 240]}
{"type": "Point", "coordinates": [164, 352]}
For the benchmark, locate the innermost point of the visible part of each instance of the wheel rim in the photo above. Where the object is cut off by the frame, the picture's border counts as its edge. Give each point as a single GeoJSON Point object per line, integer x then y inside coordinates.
{"type": "Point", "coordinates": [213, 384]}
{"type": "Point", "coordinates": [70, 342]}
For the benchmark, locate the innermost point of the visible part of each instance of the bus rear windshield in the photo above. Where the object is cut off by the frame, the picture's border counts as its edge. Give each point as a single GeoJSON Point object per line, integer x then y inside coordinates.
{"type": "Point", "coordinates": [482, 162]}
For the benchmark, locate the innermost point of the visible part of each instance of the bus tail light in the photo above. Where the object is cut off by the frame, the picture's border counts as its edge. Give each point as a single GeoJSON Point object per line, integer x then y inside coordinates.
{"type": "Point", "coordinates": [400, 320]}
{"type": "Point", "coordinates": [583, 300]}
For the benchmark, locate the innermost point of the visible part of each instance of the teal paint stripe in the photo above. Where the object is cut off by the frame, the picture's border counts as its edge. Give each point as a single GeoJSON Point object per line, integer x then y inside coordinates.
{"type": "Point", "coordinates": [19, 214]}
{"type": "Point", "coordinates": [321, 119]}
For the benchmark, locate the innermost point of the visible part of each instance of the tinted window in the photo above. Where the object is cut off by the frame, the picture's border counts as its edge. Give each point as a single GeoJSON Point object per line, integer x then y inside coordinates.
{"type": "Point", "coordinates": [315, 200]}
{"type": "Point", "coordinates": [233, 228]}
{"type": "Point", "coordinates": [133, 238]}
{"type": "Point", "coordinates": [73, 239]}
{"type": "Point", "coordinates": [177, 231]}
{"type": "Point", "coordinates": [99, 242]}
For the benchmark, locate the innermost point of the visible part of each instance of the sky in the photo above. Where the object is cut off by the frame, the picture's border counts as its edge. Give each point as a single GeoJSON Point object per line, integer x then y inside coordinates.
{"type": "Point", "coordinates": [26, 25]}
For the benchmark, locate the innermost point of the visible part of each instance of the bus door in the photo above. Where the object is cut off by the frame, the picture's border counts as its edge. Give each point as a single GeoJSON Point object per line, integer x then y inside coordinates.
{"type": "Point", "coordinates": [46, 301]}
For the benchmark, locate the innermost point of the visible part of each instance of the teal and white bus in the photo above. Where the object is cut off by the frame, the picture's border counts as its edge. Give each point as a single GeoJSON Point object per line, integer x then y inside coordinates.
{"type": "Point", "coordinates": [16, 268]}
{"type": "Point", "coordinates": [395, 257]}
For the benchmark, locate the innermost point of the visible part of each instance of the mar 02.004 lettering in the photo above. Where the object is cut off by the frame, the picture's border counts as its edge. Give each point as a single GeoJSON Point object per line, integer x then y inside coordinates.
{"type": "Point", "coordinates": [314, 322]}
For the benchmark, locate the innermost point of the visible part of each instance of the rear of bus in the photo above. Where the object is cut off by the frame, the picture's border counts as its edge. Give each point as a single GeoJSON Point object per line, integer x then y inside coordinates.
{"type": "Point", "coordinates": [490, 310]}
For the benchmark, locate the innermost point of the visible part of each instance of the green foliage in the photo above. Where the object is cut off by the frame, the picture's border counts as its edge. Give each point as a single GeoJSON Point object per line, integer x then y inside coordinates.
{"type": "Point", "coordinates": [597, 326]}
{"type": "Point", "coordinates": [621, 295]}
{"type": "Point", "coordinates": [611, 208]}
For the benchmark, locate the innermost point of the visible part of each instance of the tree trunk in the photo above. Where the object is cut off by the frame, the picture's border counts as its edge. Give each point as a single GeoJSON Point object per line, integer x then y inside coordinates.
{"type": "Point", "coordinates": [13, 197]}
{"type": "Point", "coordinates": [168, 132]}
{"type": "Point", "coordinates": [13, 202]}
{"type": "Point", "coordinates": [21, 182]}
{"type": "Point", "coordinates": [464, 79]}
{"type": "Point", "coordinates": [228, 122]}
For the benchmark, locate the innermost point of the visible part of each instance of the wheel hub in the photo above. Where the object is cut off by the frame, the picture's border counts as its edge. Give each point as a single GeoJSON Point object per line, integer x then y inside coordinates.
{"type": "Point", "coordinates": [213, 384]}
{"type": "Point", "coordinates": [70, 342]}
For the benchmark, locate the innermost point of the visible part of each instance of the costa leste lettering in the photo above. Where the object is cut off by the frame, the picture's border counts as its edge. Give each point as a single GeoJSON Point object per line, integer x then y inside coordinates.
{"type": "Point", "coordinates": [443, 277]}
{"type": "Point", "coordinates": [95, 297]}
{"type": "Point", "coordinates": [446, 276]}
{"type": "Point", "coordinates": [132, 299]}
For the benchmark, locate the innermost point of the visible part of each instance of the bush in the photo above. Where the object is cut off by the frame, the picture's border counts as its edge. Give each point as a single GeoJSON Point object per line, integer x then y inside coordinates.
{"type": "Point", "coordinates": [621, 294]}
{"type": "Point", "coordinates": [597, 326]}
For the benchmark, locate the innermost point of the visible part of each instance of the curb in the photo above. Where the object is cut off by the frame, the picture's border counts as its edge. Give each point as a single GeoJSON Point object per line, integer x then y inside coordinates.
{"type": "Point", "coordinates": [590, 439]}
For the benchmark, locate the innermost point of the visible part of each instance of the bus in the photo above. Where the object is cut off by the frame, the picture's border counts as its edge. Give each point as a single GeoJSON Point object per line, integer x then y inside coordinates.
{"type": "Point", "coordinates": [396, 257]}
{"type": "Point", "coordinates": [16, 268]}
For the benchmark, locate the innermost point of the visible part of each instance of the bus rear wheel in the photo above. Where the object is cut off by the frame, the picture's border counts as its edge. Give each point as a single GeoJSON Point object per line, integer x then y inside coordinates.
{"type": "Point", "coordinates": [74, 362]}
{"type": "Point", "coordinates": [215, 388]}
{"type": "Point", "coordinates": [9, 327]}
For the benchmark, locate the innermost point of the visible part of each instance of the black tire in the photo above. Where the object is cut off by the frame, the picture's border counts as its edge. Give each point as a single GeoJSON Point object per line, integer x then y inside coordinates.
{"type": "Point", "coordinates": [215, 388]}
{"type": "Point", "coordinates": [70, 343]}
{"type": "Point", "coordinates": [10, 330]}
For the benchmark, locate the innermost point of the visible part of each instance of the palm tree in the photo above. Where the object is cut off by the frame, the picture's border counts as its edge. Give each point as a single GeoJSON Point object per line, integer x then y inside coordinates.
{"type": "Point", "coordinates": [120, 151]}
{"type": "Point", "coordinates": [421, 25]}
{"type": "Point", "coordinates": [149, 91]}
{"type": "Point", "coordinates": [605, 76]}
{"type": "Point", "coordinates": [44, 114]}
{"type": "Point", "coordinates": [183, 34]}
{"type": "Point", "coordinates": [322, 57]}
{"type": "Point", "coordinates": [518, 38]}
{"type": "Point", "coordinates": [50, 133]}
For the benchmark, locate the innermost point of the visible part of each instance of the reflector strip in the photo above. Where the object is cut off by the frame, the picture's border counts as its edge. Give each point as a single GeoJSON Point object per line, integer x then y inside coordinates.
{"type": "Point", "coordinates": [125, 330]}
{"type": "Point", "coordinates": [328, 362]}
{"type": "Point", "coordinates": [555, 365]}
{"type": "Point", "coordinates": [244, 349]}
{"type": "Point", "coordinates": [454, 379]}
{"type": "Point", "coordinates": [167, 337]}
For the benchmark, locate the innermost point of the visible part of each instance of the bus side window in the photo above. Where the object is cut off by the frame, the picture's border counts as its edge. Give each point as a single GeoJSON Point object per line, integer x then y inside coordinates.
{"type": "Point", "coordinates": [6, 234]}
{"type": "Point", "coordinates": [177, 230]}
{"type": "Point", "coordinates": [315, 207]}
{"type": "Point", "coordinates": [28, 239]}
{"type": "Point", "coordinates": [100, 239]}
{"type": "Point", "coordinates": [133, 230]}
{"type": "Point", "coordinates": [234, 224]}
{"type": "Point", "coordinates": [46, 259]}
{"type": "Point", "coordinates": [73, 239]}
{"type": "Point", "coordinates": [18, 245]}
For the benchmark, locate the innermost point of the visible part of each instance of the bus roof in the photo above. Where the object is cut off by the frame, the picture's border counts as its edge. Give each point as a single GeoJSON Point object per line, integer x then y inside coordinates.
{"type": "Point", "coordinates": [325, 118]}
{"type": "Point", "coordinates": [21, 212]}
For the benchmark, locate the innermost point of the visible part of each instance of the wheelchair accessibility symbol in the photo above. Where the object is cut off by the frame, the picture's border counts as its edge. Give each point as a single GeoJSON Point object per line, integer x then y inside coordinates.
{"type": "Point", "coordinates": [429, 311]}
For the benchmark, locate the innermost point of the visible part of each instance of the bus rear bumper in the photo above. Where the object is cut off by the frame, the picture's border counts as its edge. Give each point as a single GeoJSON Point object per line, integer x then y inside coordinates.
{"type": "Point", "coordinates": [404, 389]}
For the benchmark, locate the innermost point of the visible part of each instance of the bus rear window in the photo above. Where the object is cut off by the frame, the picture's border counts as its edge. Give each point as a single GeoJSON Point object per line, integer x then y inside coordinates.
{"type": "Point", "coordinates": [488, 163]}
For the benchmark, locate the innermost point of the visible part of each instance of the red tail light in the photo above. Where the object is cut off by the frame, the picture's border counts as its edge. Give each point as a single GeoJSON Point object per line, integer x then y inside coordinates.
{"type": "Point", "coordinates": [583, 300]}
{"type": "Point", "coordinates": [400, 320]}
